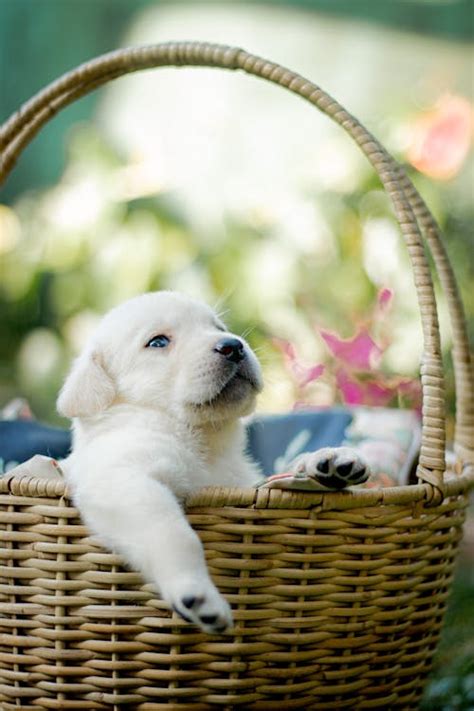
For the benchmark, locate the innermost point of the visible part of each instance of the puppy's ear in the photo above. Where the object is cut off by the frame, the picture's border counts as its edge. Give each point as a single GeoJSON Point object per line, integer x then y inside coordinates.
{"type": "Point", "coordinates": [88, 389]}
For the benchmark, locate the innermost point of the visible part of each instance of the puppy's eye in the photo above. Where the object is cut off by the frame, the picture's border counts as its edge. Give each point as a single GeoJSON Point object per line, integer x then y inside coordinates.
{"type": "Point", "coordinates": [158, 342]}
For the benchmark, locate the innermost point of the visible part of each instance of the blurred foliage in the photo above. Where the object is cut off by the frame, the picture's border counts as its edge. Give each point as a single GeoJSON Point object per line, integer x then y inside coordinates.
{"type": "Point", "coordinates": [54, 35]}
{"type": "Point", "coordinates": [451, 686]}
{"type": "Point", "coordinates": [71, 252]}
{"type": "Point", "coordinates": [446, 18]}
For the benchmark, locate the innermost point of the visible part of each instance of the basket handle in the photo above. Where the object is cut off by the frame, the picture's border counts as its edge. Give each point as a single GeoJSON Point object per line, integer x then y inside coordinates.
{"type": "Point", "coordinates": [463, 440]}
{"type": "Point", "coordinates": [409, 208]}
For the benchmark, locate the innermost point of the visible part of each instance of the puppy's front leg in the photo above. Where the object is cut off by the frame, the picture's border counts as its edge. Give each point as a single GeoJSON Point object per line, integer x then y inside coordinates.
{"type": "Point", "coordinates": [141, 518]}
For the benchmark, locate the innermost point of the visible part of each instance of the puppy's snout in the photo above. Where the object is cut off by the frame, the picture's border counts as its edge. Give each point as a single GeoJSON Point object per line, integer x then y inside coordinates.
{"type": "Point", "coordinates": [231, 348]}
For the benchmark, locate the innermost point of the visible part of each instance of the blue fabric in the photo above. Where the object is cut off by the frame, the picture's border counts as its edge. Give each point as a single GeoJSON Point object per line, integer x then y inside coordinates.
{"type": "Point", "coordinates": [22, 439]}
{"type": "Point", "coordinates": [273, 440]}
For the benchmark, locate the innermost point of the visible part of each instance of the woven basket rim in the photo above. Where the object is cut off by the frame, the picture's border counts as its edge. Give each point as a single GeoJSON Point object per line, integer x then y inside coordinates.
{"type": "Point", "coordinates": [217, 497]}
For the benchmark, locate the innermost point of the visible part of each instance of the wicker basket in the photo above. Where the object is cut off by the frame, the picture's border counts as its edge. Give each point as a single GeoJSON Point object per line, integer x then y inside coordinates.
{"type": "Point", "coordinates": [338, 598]}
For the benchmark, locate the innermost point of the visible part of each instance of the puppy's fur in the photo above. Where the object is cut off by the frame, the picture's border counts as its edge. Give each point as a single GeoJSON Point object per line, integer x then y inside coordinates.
{"type": "Point", "coordinates": [153, 424]}
{"type": "Point", "coordinates": [150, 426]}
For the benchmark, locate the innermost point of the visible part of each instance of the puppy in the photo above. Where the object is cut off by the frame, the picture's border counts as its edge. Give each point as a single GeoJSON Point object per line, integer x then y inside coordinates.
{"type": "Point", "coordinates": [156, 400]}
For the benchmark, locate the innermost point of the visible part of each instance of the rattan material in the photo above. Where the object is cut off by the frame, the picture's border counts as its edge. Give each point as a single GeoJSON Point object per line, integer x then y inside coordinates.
{"type": "Point", "coordinates": [338, 598]}
{"type": "Point", "coordinates": [338, 601]}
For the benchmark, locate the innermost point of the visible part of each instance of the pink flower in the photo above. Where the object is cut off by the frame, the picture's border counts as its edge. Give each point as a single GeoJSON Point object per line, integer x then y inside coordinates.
{"type": "Point", "coordinates": [369, 392]}
{"type": "Point", "coordinates": [384, 299]}
{"type": "Point", "coordinates": [360, 352]}
{"type": "Point", "coordinates": [378, 393]}
{"type": "Point", "coordinates": [303, 374]}
{"type": "Point", "coordinates": [441, 137]}
{"type": "Point", "coordinates": [352, 391]}
{"type": "Point", "coordinates": [355, 370]}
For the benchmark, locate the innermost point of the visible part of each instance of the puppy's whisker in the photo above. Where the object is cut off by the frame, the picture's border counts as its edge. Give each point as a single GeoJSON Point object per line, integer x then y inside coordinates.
{"type": "Point", "coordinates": [247, 332]}
{"type": "Point", "coordinates": [223, 299]}
{"type": "Point", "coordinates": [221, 314]}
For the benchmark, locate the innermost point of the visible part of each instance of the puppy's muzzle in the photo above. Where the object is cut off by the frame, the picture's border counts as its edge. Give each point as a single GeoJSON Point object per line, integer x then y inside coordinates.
{"type": "Point", "coordinates": [231, 348]}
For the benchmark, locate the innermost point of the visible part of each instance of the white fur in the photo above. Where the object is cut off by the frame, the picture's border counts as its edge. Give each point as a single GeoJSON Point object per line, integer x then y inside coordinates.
{"type": "Point", "coordinates": [149, 428]}
{"type": "Point", "coordinates": [152, 425]}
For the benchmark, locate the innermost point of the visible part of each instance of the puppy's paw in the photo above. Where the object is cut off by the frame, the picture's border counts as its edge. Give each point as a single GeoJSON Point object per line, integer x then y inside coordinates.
{"type": "Point", "coordinates": [332, 467]}
{"type": "Point", "coordinates": [201, 603]}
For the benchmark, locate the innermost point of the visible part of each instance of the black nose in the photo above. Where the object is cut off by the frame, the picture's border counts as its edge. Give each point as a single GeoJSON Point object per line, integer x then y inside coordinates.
{"type": "Point", "coordinates": [231, 348]}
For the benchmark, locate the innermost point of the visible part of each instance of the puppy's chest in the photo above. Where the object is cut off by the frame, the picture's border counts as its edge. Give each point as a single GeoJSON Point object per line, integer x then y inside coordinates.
{"type": "Point", "coordinates": [180, 463]}
{"type": "Point", "coordinates": [188, 466]}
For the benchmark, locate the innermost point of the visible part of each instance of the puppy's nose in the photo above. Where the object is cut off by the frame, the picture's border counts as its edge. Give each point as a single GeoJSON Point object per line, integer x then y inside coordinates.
{"type": "Point", "coordinates": [231, 348]}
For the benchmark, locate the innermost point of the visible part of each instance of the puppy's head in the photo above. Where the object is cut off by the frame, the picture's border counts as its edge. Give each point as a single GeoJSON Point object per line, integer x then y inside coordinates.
{"type": "Point", "coordinates": [165, 351]}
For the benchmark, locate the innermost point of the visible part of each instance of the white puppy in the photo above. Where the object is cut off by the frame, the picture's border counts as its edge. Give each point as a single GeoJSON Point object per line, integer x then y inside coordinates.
{"type": "Point", "coordinates": [156, 400]}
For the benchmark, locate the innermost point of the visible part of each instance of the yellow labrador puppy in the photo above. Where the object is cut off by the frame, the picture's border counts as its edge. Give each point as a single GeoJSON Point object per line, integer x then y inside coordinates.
{"type": "Point", "coordinates": [156, 400]}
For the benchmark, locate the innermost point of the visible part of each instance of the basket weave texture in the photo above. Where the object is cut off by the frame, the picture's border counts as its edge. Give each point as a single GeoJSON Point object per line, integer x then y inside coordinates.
{"type": "Point", "coordinates": [338, 598]}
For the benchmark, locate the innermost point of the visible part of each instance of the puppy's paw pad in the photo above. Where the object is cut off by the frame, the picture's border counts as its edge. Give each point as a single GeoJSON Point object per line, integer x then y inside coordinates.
{"type": "Point", "coordinates": [357, 475]}
{"type": "Point", "coordinates": [206, 608]}
{"type": "Point", "coordinates": [345, 469]}
{"type": "Point", "coordinates": [323, 466]}
{"type": "Point", "coordinates": [333, 468]}
{"type": "Point", "coordinates": [190, 601]}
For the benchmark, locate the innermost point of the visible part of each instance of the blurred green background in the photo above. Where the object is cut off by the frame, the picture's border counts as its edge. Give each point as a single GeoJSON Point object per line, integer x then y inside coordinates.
{"type": "Point", "coordinates": [234, 191]}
